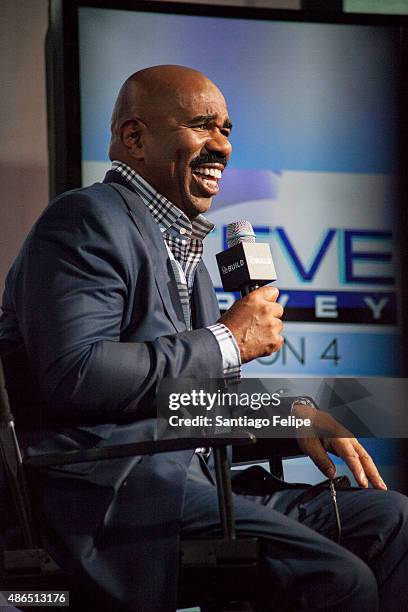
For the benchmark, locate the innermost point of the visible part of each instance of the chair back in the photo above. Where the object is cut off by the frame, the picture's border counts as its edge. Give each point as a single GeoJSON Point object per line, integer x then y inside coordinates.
{"type": "Point", "coordinates": [5, 413]}
{"type": "Point", "coordinates": [11, 459]}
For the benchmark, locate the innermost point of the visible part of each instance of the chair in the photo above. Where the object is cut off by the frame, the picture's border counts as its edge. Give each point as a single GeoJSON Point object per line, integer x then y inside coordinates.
{"type": "Point", "coordinates": [215, 572]}
{"type": "Point", "coordinates": [219, 573]}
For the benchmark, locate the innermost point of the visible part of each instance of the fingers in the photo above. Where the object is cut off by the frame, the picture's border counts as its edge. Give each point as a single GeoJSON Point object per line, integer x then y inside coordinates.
{"type": "Point", "coordinates": [313, 447]}
{"type": "Point", "coordinates": [265, 298]}
{"type": "Point", "coordinates": [346, 450]}
{"type": "Point", "coordinates": [354, 455]}
{"type": "Point", "coordinates": [359, 462]}
{"type": "Point", "coordinates": [332, 436]}
{"type": "Point", "coordinates": [370, 469]}
{"type": "Point", "coordinates": [268, 293]}
{"type": "Point", "coordinates": [255, 322]}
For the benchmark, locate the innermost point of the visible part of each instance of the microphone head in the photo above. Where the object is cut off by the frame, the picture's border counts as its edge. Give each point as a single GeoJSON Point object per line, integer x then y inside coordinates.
{"type": "Point", "coordinates": [239, 231]}
{"type": "Point", "coordinates": [245, 263]}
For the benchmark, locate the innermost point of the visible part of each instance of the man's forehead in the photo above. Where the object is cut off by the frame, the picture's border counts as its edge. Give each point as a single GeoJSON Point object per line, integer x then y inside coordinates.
{"type": "Point", "coordinates": [201, 102]}
{"type": "Point", "coordinates": [184, 100]}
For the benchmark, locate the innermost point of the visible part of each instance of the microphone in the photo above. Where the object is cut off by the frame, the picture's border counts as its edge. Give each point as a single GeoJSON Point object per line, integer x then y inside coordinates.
{"type": "Point", "coordinates": [245, 265]}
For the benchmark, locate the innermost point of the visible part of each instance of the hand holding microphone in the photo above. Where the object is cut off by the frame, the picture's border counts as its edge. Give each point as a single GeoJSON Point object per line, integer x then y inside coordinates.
{"type": "Point", "coordinates": [255, 320]}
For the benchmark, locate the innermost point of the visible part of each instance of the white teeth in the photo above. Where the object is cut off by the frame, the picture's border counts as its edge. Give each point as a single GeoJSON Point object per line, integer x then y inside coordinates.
{"type": "Point", "coordinates": [209, 172]}
{"type": "Point", "coordinates": [211, 184]}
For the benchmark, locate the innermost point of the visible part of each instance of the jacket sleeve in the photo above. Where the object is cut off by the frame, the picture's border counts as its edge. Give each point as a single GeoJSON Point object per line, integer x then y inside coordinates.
{"type": "Point", "coordinates": [70, 289]}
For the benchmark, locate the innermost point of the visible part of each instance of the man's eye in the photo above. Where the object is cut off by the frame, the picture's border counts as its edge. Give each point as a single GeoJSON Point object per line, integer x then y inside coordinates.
{"type": "Point", "coordinates": [200, 126]}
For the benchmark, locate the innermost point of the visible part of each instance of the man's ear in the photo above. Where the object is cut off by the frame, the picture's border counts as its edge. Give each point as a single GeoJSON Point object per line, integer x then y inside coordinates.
{"type": "Point", "coordinates": [131, 133]}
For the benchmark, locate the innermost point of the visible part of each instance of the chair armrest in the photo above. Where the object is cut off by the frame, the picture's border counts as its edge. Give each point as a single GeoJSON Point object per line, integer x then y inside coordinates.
{"type": "Point", "coordinates": [136, 448]}
{"type": "Point", "coordinates": [267, 448]}
{"type": "Point", "coordinates": [218, 444]}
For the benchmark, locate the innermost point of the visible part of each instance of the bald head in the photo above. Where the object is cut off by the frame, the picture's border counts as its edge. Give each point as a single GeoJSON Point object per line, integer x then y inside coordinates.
{"type": "Point", "coordinates": [152, 93]}
{"type": "Point", "coordinates": [170, 124]}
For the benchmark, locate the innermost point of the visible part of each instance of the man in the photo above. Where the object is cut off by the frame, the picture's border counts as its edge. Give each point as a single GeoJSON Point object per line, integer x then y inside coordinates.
{"type": "Point", "coordinates": [108, 296]}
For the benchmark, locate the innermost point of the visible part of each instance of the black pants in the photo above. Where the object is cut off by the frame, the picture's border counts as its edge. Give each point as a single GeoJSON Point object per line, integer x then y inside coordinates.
{"type": "Point", "coordinates": [302, 566]}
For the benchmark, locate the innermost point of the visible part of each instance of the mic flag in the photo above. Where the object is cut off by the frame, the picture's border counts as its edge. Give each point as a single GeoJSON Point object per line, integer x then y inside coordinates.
{"type": "Point", "coordinates": [245, 265]}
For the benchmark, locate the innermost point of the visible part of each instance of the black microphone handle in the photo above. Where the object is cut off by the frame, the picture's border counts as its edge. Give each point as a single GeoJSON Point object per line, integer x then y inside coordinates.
{"type": "Point", "coordinates": [249, 288]}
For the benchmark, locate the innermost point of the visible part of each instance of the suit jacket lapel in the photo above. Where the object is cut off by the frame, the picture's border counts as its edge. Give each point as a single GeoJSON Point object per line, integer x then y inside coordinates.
{"type": "Point", "coordinates": [151, 234]}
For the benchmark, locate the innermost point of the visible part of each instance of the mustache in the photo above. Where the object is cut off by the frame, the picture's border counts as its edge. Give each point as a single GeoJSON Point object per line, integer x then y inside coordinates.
{"type": "Point", "coordinates": [209, 158]}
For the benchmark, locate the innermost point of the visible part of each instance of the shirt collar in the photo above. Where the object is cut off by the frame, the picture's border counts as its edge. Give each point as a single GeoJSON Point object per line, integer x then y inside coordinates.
{"type": "Point", "coordinates": [166, 214]}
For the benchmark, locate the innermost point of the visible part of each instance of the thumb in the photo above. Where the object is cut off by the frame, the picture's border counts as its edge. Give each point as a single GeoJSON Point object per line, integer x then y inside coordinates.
{"type": "Point", "coordinates": [313, 447]}
{"type": "Point", "coordinates": [269, 293]}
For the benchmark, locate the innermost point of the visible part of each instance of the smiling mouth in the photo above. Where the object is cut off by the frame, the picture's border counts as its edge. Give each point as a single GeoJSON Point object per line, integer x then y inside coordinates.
{"type": "Point", "coordinates": [206, 178]}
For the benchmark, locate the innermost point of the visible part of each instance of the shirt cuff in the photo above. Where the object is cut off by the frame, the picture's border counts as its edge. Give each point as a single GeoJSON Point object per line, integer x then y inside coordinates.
{"type": "Point", "coordinates": [231, 357]}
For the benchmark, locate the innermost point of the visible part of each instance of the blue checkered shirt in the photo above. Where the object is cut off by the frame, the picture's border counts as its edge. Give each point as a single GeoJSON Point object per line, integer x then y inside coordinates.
{"type": "Point", "coordinates": [184, 242]}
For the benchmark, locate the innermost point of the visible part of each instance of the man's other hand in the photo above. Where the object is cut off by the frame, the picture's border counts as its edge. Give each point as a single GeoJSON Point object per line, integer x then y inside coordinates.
{"type": "Point", "coordinates": [330, 436]}
{"type": "Point", "coordinates": [255, 322]}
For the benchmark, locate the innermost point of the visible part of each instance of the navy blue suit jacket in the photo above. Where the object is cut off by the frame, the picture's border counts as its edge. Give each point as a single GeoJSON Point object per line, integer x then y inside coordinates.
{"type": "Point", "coordinates": [93, 299]}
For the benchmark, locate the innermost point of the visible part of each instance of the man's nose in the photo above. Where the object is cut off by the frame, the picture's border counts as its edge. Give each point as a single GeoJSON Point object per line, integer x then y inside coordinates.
{"type": "Point", "coordinates": [220, 143]}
